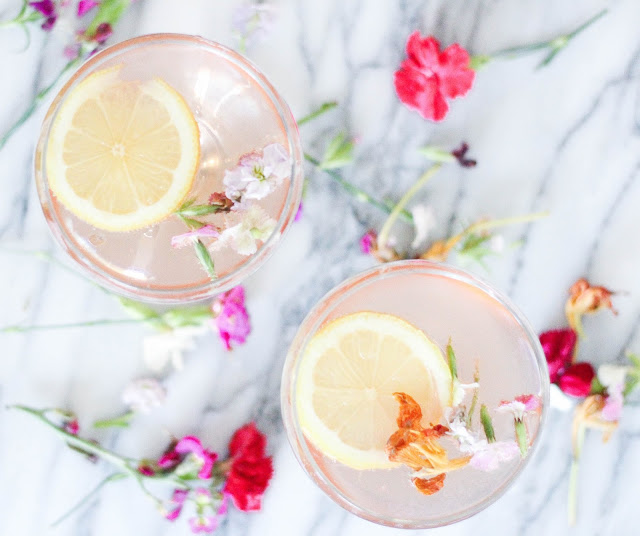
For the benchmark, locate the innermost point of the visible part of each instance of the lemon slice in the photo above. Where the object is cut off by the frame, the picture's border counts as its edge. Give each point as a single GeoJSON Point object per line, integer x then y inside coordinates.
{"type": "Point", "coordinates": [346, 380]}
{"type": "Point", "coordinates": [122, 154]}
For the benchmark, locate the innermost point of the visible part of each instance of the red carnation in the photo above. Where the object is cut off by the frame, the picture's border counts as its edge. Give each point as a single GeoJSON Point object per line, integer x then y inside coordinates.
{"type": "Point", "coordinates": [576, 380]}
{"type": "Point", "coordinates": [558, 346]}
{"type": "Point", "coordinates": [429, 76]}
{"type": "Point", "coordinates": [250, 469]}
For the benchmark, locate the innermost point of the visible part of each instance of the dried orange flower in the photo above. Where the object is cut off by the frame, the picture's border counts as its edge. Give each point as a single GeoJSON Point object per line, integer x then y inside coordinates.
{"type": "Point", "coordinates": [418, 448]}
{"type": "Point", "coordinates": [440, 250]}
{"type": "Point", "coordinates": [585, 299]}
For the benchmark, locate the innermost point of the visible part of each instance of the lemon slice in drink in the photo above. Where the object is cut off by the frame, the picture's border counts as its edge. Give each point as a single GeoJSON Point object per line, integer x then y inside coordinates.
{"type": "Point", "coordinates": [346, 380]}
{"type": "Point", "coordinates": [122, 154]}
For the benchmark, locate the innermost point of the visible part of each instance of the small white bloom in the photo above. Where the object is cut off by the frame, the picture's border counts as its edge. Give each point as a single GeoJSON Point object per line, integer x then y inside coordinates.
{"type": "Point", "coordinates": [161, 348]}
{"type": "Point", "coordinates": [257, 175]}
{"type": "Point", "coordinates": [424, 221]}
{"type": "Point", "coordinates": [612, 375]}
{"type": "Point", "coordinates": [256, 225]}
{"type": "Point", "coordinates": [144, 394]}
{"type": "Point", "coordinates": [460, 390]}
{"type": "Point", "coordinates": [458, 430]}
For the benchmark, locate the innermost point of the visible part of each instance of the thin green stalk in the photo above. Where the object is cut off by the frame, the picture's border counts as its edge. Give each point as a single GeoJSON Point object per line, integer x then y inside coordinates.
{"type": "Point", "coordinates": [324, 107]}
{"type": "Point", "coordinates": [38, 99]}
{"type": "Point", "coordinates": [205, 258]}
{"type": "Point", "coordinates": [356, 192]}
{"type": "Point", "coordinates": [572, 503]}
{"type": "Point", "coordinates": [521, 437]}
{"type": "Point", "coordinates": [88, 496]}
{"type": "Point", "coordinates": [474, 400]}
{"type": "Point", "coordinates": [397, 210]}
{"type": "Point", "coordinates": [91, 323]}
{"type": "Point", "coordinates": [503, 222]}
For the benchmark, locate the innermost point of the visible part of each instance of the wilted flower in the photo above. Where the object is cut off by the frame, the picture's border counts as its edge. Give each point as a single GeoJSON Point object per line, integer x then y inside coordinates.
{"type": "Point", "coordinates": [586, 299]}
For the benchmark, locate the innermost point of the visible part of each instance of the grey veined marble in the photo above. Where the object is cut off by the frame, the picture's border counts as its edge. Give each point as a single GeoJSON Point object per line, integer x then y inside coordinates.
{"type": "Point", "coordinates": [565, 139]}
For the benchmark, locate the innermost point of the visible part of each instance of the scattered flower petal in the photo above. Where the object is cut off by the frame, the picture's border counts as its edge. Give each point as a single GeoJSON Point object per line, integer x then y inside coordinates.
{"type": "Point", "coordinates": [144, 394]}
{"type": "Point", "coordinates": [429, 76]}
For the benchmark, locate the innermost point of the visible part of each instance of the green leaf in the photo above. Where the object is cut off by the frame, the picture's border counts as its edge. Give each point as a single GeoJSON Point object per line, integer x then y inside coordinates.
{"type": "Point", "coordinates": [198, 210]}
{"type": "Point", "coordinates": [451, 359]}
{"type": "Point", "coordinates": [205, 258]}
{"type": "Point", "coordinates": [487, 424]}
{"type": "Point", "coordinates": [122, 421]}
{"type": "Point", "coordinates": [436, 154]}
{"type": "Point", "coordinates": [635, 359]}
{"type": "Point", "coordinates": [325, 107]}
{"type": "Point", "coordinates": [478, 62]}
{"type": "Point", "coordinates": [521, 436]}
{"type": "Point", "coordinates": [596, 387]}
{"type": "Point", "coordinates": [109, 11]}
{"type": "Point", "coordinates": [339, 153]}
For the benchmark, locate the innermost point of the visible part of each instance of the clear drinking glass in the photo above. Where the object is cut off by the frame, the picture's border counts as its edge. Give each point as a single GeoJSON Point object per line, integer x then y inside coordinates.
{"type": "Point", "coordinates": [487, 331]}
{"type": "Point", "coordinates": [238, 112]}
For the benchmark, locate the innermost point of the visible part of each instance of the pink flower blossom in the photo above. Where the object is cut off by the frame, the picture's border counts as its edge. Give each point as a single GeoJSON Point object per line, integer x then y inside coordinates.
{"type": "Point", "coordinates": [168, 460]}
{"type": "Point", "coordinates": [488, 456]}
{"type": "Point", "coordinates": [72, 427]}
{"type": "Point", "coordinates": [520, 405]}
{"type": "Point", "coordinates": [103, 32]}
{"type": "Point", "coordinates": [368, 241]}
{"type": "Point", "coordinates": [146, 470]}
{"type": "Point", "coordinates": [48, 10]}
{"type": "Point", "coordinates": [177, 501]}
{"type": "Point", "coordinates": [187, 239]}
{"type": "Point", "coordinates": [203, 524]}
{"type": "Point", "coordinates": [194, 451]}
{"type": "Point", "coordinates": [84, 6]}
{"type": "Point", "coordinates": [232, 318]}
{"type": "Point", "coordinates": [613, 403]}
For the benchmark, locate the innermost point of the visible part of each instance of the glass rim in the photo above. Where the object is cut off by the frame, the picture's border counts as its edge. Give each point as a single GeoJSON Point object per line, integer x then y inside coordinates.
{"type": "Point", "coordinates": [173, 294]}
{"type": "Point", "coordinates": [314, 320]}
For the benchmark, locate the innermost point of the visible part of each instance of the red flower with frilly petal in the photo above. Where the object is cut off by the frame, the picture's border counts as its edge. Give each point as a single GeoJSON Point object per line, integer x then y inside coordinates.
{"type": "Point", "coordinates": [429, 76]}
{"type": "Point", "coordinates": [558, 346]}
{"type": "Point", "coordinates": [576, 380]}
{"type": "Point", "coordinates": [250, 469]}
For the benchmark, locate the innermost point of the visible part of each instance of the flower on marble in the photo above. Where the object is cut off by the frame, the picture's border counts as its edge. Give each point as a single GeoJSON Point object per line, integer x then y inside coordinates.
{"type": "Point", "coordinates": [195, 460]}
{"type": "Point", "coordinates": [559, 347]}
{"type": "Point", "coordinates": [252, 22]}
{"type": "Point", "coordinates": [369, 246]}
{"type": "Point", "coordinates": [231, 317]}
{"type": "Point", "coordinates": [159, 349]}
{"type": "Point", "coordinates": [72, 427]}
{"type": "Point", "coordinates": [256, 226]}
{"type": "Point", "coordinates": [146, 469]}
{"type": "Point", "coordinates": [84, 6]}
{"type": "Point", "coordinates": [257, 174]}
{"type": "Point", "coordinates": [368, 241]}
{"type": "Point", "coordinates": [429, 76]}
{"type": "Point", "coordinates": [190, 238]}
{"type": "Point", "coordinates": [586, 299]}
{"type": "Point", "coordinates": [250, 470]}
{"type": "Point", "coordinates": [47, 9]}
{"type": "Point", "coordinates": [576, 380]}
{"type": "Point", "coordinates": [144, 395]}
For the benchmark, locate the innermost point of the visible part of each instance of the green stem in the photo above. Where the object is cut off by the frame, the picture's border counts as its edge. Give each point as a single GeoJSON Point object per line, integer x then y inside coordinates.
{"type": "Point", "coordinates": [356, 192]}
{"type": "Point", "coordinates": [572, 503]}
{"type": "Point", "coordinates": [85, 499]}
{"type": "Point", "coordinates": [383, 236]}
{"type": "Point", "coordinates": [324, 107]}
{"type": "Point", "coordinates": [91, 323]}
{"type": "Point", "coordinates": [205, 258]}
{"type": "Point", "coordinates": [38, 99]}
{"type": "Point", "coordinates": [554, 45]}
{"type": "Point", "coordinates": [503, 222]}
{"type": "Point", "coordinates": [521, 437]}
{"type": "Point", "coordinates": [474, 400]}
{"type": "Point", "coordinates": [122, 421]}
{"type": "Point", "coordinates": [487, 424]}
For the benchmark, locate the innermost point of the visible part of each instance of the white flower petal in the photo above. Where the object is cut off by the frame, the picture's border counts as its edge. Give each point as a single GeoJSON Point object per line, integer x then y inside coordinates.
{"type": "Point", "coordinates": [424, 221]}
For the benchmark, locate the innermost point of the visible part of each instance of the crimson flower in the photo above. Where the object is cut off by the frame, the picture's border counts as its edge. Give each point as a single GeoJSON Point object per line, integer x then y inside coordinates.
{"type": "Point", "coordinates": [429, 76]}
{"type": "Point", "coordinates": [576, 380]}
{"type": "Point", "coordinates": [558, 346]}
{"type": "Point", "coordinates": [250, 469]}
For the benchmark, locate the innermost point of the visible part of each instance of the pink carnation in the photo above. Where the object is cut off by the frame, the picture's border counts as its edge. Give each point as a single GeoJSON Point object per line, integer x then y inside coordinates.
{"type": "Point", "coordinates": [232, 318]}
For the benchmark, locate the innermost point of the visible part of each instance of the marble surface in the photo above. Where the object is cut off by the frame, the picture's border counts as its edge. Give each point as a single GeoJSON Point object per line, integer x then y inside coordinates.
{"type": "Point", "coordinates": [565, 138]}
